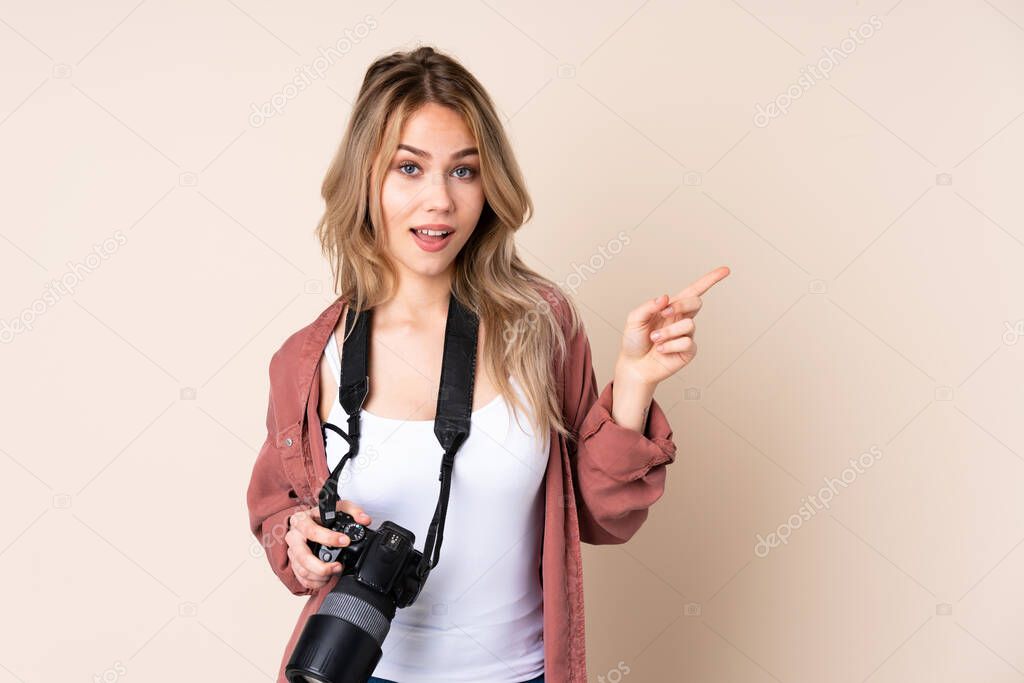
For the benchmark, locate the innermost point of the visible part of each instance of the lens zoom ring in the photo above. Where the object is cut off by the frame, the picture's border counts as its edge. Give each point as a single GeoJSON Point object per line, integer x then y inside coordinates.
{"type": "Point", "coordinates": [358, 613]}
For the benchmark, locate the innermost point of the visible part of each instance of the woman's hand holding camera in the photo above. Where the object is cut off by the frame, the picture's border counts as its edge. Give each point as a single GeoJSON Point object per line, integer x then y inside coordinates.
{"type": "Point", "coordinates": [304, 526]}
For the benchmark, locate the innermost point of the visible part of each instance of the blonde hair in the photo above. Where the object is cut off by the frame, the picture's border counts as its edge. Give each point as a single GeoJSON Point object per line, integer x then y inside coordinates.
{"type": "Point", "coordinates": [515, 303]}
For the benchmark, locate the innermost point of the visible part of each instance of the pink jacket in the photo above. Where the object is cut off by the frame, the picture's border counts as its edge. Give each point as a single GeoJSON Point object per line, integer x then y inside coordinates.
{"type": "Point", "coordinates": [598, 486]}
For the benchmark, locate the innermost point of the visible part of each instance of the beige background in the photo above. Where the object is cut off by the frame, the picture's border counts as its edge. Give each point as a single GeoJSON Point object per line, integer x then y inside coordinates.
{"type": "Point", "coordinates": [874, 231]}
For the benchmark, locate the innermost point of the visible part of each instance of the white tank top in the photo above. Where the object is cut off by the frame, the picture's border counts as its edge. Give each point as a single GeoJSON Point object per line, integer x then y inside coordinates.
{"type": "Point", "coordinates": [480, 615]}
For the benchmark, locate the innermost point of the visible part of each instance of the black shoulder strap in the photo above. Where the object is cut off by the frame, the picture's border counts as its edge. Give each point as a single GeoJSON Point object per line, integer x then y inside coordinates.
{"type": "Point", "coordinates": [352, 390]}
{"type": "Point", "coordinates": [355, 375]}
{"type": "Point", "coordinates": [454, 408]}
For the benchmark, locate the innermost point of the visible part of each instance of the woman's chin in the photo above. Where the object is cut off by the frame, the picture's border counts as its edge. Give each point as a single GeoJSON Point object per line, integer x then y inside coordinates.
{"type": "Point", "coordinates": [428, 268]}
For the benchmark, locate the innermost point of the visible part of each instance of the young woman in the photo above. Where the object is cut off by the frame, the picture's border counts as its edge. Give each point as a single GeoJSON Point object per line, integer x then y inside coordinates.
{"type": "Point", "coordinates": [422, 203]}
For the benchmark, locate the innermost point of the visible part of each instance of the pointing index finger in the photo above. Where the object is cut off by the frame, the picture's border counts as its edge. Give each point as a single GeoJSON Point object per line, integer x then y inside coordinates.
{"type": "Point", "coordinates": [704, 283]}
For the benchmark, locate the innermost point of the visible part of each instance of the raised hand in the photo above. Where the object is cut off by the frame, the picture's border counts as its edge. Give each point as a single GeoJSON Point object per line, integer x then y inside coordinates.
{"type": "Point", "coordinates": [658, 339]}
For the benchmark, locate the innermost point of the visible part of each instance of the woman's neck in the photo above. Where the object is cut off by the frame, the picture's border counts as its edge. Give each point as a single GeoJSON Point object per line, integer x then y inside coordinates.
{"type": "Point", "coordinates": [418, 298]}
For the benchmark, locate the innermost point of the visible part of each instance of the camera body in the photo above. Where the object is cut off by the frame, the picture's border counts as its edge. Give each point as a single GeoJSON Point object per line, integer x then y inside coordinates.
{"type": "Point", "coordinates": [384, 559]}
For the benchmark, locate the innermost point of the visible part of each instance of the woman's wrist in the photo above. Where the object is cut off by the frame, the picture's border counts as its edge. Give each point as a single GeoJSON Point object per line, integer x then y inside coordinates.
{"type": "Point", "coordinates": [631, 398]}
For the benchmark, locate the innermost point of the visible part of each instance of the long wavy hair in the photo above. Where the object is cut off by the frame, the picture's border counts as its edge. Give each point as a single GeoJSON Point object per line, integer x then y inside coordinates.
{"type": "Point", "coordinates": [524, 337]}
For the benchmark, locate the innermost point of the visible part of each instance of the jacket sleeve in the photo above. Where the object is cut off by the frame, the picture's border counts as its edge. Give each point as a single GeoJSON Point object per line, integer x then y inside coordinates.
{"type": "Point", "coordinates": [618, 472]}
{"type": "Point", "coordinates": [271, 501]}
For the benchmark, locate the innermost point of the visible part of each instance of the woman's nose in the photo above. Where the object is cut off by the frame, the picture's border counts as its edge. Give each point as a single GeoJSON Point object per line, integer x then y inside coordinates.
{"type": "Point", "coordinates": [439, 196]}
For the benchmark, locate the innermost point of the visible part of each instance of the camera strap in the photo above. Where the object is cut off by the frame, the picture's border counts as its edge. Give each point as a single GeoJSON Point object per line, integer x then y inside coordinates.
{"type": "Point", "coordinates": [454, 408]}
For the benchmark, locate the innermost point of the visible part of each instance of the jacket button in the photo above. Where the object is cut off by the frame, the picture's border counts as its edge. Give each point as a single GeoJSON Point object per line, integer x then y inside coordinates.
{"type": "Point", "coordinates": [288, 441]}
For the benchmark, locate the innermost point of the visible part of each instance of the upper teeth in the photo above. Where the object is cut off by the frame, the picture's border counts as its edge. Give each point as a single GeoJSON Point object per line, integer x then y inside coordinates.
{"type": "Point", "coordinates": [432, 232]}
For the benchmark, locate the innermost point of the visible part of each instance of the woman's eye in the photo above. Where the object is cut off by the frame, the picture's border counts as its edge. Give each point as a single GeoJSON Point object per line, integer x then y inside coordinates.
{"type": "Point", "coordinates": [469, 172]}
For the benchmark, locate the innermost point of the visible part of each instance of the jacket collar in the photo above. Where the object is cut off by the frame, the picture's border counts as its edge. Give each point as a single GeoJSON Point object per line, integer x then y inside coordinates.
{"type": "Point", "coordinates": [289, 410]}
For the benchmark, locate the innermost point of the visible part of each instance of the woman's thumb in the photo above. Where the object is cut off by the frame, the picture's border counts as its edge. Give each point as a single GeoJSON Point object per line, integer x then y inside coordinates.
{"type": "Point", "coordinates": [641, 315]}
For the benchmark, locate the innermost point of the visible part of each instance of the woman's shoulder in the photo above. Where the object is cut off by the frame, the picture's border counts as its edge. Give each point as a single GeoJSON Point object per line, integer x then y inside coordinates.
{"type": "Point", "coordinates": [289, 353]}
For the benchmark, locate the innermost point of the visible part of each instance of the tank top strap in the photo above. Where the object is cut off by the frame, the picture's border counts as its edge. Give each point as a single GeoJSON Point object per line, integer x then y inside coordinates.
{"type": "Point", "coordinates": [331, 351]}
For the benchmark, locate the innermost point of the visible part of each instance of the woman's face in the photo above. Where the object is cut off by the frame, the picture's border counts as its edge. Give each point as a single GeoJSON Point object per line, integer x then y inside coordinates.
{"type": "Point", "coordinates": [433, 183]}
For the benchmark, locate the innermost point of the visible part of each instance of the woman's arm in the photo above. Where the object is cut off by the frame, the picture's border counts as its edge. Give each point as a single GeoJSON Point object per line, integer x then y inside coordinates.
{"type": "Point", "coordinates": [618, 469]}
{"type": "Point", "coordinates": [620, 462]}
{"type": "Point", "coordinates": [272, 500]}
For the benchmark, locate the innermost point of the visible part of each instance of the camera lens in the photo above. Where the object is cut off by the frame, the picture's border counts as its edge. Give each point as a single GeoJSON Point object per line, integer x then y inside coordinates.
{"type": "Point", "coordinates": [341, 643]}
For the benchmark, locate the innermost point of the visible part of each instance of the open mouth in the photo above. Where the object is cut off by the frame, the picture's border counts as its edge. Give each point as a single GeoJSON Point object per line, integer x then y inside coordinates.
{"type": "Point", "coordinates": [431, 240]}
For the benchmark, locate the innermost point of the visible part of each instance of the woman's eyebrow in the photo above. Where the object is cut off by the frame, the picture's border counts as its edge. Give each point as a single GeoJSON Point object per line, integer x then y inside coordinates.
{"type": "Point", "coordinates": [427, 155]}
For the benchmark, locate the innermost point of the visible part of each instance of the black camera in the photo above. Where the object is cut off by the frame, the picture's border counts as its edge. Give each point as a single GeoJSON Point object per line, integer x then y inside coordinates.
{"type": "Point", "coordinates": [341, 643]}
